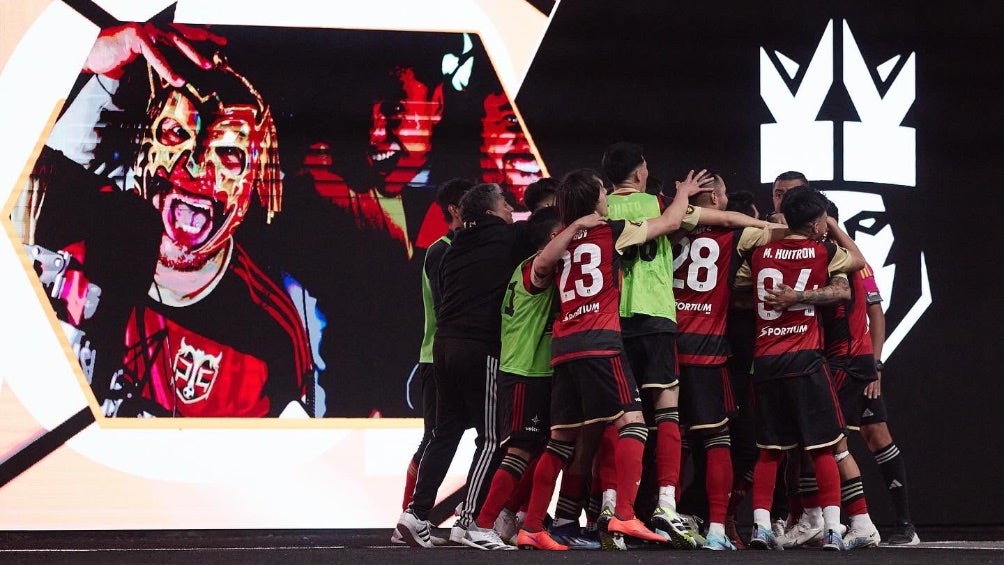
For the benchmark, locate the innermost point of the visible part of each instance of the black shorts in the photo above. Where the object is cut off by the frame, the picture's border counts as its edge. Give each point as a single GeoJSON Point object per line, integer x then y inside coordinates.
{"type": "Point", "coordinates": [873, 411]}
{"type": "Point", "coordinates": [653, 359]}
{"type": "Point", "coordinates": [594, 389]}
{"type": "Point", "coordinates": [706, 397]}
{"type": "Point", "coordinates": [525, 410]}
{"type": "Point", "coordinates": [793, 411]}
{"type": "Point", "coordinates": [851, 393]}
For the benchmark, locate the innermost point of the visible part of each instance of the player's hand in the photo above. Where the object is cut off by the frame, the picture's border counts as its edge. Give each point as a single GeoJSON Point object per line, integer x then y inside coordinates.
{"type": "Point", "coordinates": [590, 221]}
{"type": "Point", "coordinates": [118, 46]}
{"type": "Point", "coordinates": [695, 184]}
{"type": "Point", "coordinates": [781, 297]}
{"type": "Point", "coordinates": [874, 388]}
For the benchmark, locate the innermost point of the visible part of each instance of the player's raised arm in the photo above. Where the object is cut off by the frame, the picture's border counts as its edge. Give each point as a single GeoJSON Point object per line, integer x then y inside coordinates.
{"type": "Point", "coordinates": [672, 216]}
{"type": "Point", "coordinates": [544, 262]}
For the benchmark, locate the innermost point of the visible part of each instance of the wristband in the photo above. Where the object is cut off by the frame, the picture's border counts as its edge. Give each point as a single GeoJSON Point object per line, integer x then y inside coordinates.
{"type": "Point", "coordinates": [879, 366]}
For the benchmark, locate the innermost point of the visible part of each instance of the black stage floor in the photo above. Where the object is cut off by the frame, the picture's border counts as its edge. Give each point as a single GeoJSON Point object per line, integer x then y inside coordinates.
{"type": "Point", "coordinates": [940, 546]}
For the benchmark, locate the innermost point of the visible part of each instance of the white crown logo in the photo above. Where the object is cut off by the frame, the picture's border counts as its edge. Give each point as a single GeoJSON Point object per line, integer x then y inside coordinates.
{"type": "Point", "coordinates": [876, 149]}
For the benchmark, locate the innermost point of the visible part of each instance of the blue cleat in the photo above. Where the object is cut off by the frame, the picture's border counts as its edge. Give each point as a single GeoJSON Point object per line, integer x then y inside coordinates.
{"type": "Point", "coordinates": [718, 542]}
{"type": "Point", "coordinates": [832, 541]}
{"type": "Point", "coordinates": [571, 535]}
{"type": "Point", "coordinates": [764, 538]}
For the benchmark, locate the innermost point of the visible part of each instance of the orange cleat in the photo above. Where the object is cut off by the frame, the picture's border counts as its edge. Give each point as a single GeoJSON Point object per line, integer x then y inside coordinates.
{"type": "Point", "coordinates": [634, 528]}
{"type": "Point", "coordinates": [538, 540]}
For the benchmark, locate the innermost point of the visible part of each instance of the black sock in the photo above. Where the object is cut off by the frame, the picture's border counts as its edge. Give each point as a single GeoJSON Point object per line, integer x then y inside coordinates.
{"type": "Point", "coordinates": [894, 472]}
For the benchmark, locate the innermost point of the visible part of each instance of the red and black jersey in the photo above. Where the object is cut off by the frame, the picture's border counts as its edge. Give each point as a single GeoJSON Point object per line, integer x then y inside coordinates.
{"type": "Point", "coordinates": [845, 325]}
{"type": "Point", "coordinates": [704, 266]}
{"type": "Point", "coordinates": [588, 284]}
{"type": "Point", "coordinates": [239, 351]}
{"type": "Point", "coordinates": [790, 342]}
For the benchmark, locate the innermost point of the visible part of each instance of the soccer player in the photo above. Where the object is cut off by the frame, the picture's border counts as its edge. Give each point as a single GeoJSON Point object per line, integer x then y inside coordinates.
{"type": "Point", "coordinates": [795, 402]}
{"type": "Point", "coordinates": [648, 319]}
{"type": "Point", "coordinates": [592, 383]}
{"type": "Point", "coordinates": [849, 352]}
{"type": "Point", "coordinates": [525, 375]}
{"type": "Point", "coordinates": [875, 430]}
{"type": "Point", "coordinates": [706, 260]}
{"type": "Point", "coordinates": [782, 184]}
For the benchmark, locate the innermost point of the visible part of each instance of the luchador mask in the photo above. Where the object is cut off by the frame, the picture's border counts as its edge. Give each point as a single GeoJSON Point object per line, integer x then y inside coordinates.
{"type": "Point", "coordinates": [209, 146]}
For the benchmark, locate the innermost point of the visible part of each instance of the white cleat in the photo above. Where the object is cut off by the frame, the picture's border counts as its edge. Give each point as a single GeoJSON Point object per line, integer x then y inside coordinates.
{"type": "Point", "coordinates": [484, 538]}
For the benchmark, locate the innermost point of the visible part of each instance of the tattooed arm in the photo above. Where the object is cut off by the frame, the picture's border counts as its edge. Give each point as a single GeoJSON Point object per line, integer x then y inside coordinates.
{"type": "Point", "coordinates": [782, 296]}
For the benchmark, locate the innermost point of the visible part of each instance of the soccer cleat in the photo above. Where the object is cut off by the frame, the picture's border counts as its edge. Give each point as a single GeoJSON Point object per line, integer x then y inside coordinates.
{"type": "Point", "coordinates": [778, 527]}
{"type": "Point", "coordinates": [762, 538]}
{"type": "Point", "coordinates": [732, 531]}
{"type": "Point", "coordinates": [718, 542]}
{"type": "Point", "coordinates": [861, 538]}
{"type": "Point", "coordinates": [506, 525]}
{"type": "Point", "coordinates": [634, 528]}
{"type": "Point", "coordinates": [693, 525]}
{"type": "Point", "coordinates": [457, 534]}
{"type": "Point", "coordinates": [667, 520]}
{"type": "Point", "coordinates": [803, 533]}
{"type": "Point", "coordinates": [832, 541]}
{"type": "Point", "coordinates": [483, 538]}
{"type": "Point", "coordinates": [538, 540]}
{"type": "Point", "coordinates": [571, 535]}
{"type": "Point", "coordinates": [609, 541]}
{"type": "Point", "coordinates": [904, 534]}
{"type": "Point", "coordinates": [414, 531]}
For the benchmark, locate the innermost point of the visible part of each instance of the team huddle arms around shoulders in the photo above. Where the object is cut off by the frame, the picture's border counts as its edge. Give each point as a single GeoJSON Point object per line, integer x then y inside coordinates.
{"type": "Point", "coordinates": [616, 361]}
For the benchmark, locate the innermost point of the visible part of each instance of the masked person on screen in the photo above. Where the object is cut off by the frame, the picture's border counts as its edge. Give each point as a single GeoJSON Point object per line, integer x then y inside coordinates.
{"type": "Point", "coordinates": [213, 336]}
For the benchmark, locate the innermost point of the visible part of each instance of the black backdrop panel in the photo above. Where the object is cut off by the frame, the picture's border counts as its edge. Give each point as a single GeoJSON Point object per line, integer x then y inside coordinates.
{"type": "Point", "coordinates": [683, 79]}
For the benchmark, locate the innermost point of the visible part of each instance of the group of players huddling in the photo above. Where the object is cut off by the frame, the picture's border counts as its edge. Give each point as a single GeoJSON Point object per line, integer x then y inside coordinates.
{"type": "Point", "coordinates": [600, 340]}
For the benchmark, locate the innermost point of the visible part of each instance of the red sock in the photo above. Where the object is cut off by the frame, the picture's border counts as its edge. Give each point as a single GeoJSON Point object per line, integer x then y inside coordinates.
{"type": "Point", "coordinates": [827, 477]}
{"type": "Point", "coordinates": [607, 460]}
{"type": "Point", "coordinates": [520, 496]}
{"type": "Point", "coordinates": [409, 484]}
{"type": "Point", "coordinates": [668, 455]}
{"type": "Point", "coordinates": [857, 504]}
{"type": "Point", "coordinates": [630, 449]}
{"type": "Point", "coordinates": [718, 482]}
{"type": "Point", "coordinates": [571, 495]}
{"type": "Point", "coordinates": [765, 477]}
{"type": "Point", "coordinates": [544, 477]}
{"type": "Point", "coordinates": [503, 485]}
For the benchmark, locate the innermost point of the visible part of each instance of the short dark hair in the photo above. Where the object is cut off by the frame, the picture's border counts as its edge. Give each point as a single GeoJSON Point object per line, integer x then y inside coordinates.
{"type": "Point", "coordinates": [742, 201]}
{"type": "Point", "coordinates": [801, 205]}
{"type": "Point", "coordinates": [620, 159]}
{"type": "Point", "coordinates": [476, 202]}
{"type": "Point", "coordinates": [831, 211]}
{"type": "Point", "coordinates": [792, 175]}
{"type": "Point", "coordinates": [539, 190]}
{"type": "Point", "coordinates": [578, 194]}
{"type": "Point", "coordinates": [449, 193]}
{"type": "Point", "coordinates": [540, 224]}
{"type": "Point", "coordinates": [653, 185]}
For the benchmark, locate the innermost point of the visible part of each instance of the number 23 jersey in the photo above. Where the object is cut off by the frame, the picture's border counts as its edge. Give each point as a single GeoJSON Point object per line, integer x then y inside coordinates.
{"type": "Point", "coordinates": [588, 285]}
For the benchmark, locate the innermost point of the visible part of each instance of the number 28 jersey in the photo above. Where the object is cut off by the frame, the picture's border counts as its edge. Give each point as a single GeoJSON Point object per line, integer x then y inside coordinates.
{"type": "Point", "coordinates": [588, 286]}
{"type": "Point", "coordinates": [705, 262]}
